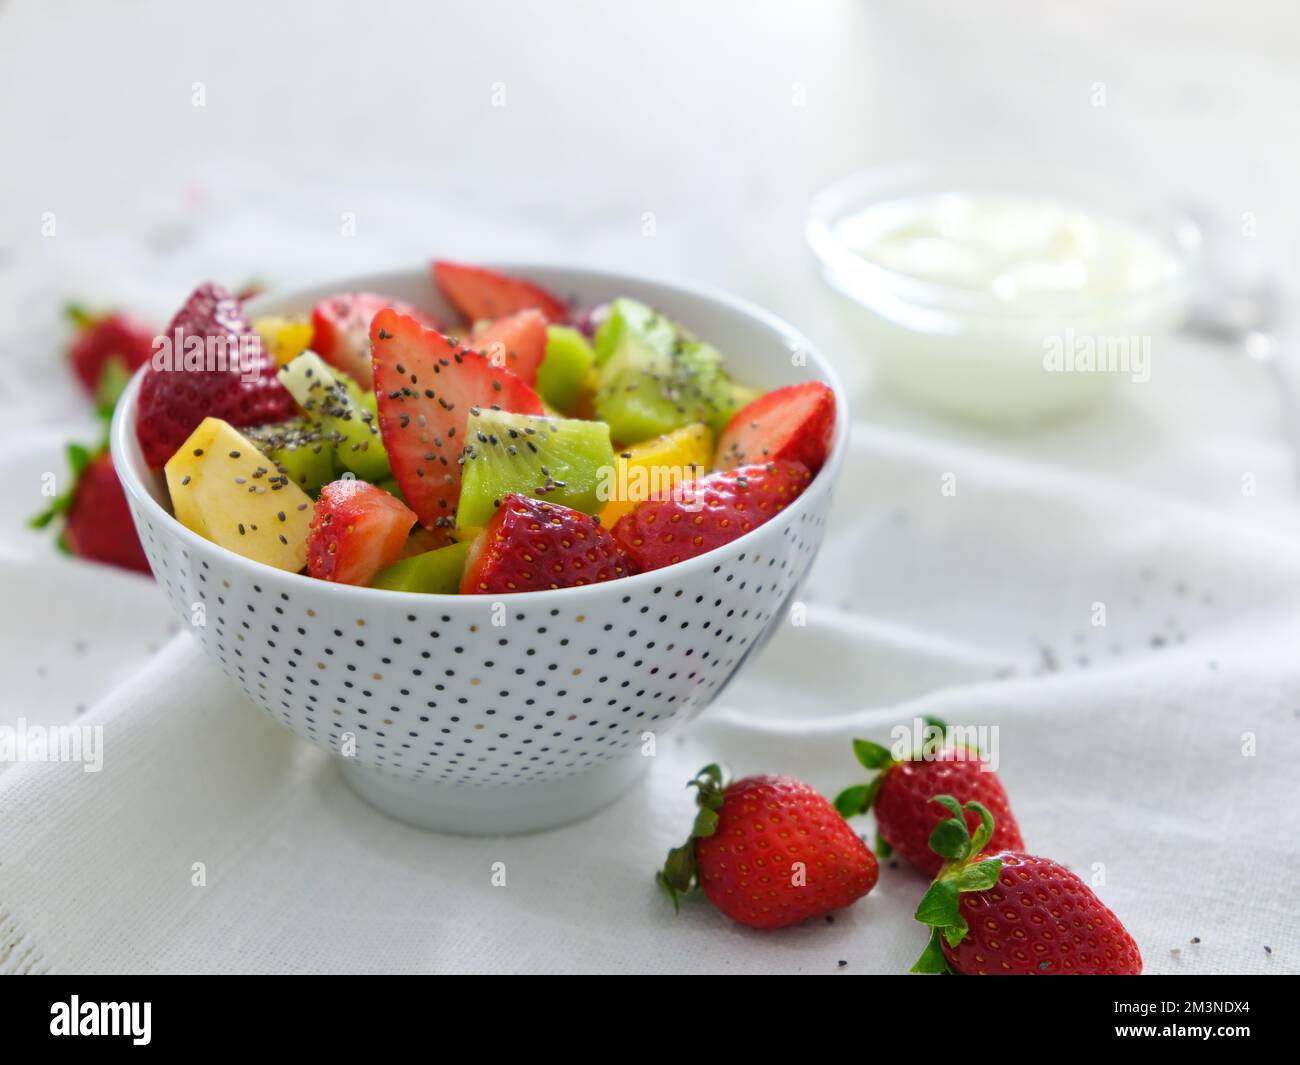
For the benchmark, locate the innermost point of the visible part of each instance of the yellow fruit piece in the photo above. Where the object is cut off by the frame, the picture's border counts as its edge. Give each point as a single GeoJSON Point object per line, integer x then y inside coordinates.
{"type": "Point", "coordinates": [225, 490]}
{"type": "Point", "coordinates": [652, 468]}
{"type": "Point", "coordinates": [284, 338]}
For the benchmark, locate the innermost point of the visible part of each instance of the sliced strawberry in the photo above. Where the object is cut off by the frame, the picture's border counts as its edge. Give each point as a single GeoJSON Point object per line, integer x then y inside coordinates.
{"type": "Point", "coordinates": [173, 399]}
{"type": "Point", "coordinates": [341, 330]}
{"type": "Point", "coordinates": [426, 385]}
{"type": "Point", "coordinates": [106, 339]}
{"type": "Point", "coordinates": [356, 530]}
{"type": "Point", "coordinates": [529, 546]}
{"type": "Point", "coordinates": [516, 342]}
{"type": "Point", "coordinates": [480, 293]}
{"type": "Point", "coordinates": [708, 512]}
{"type": "Point", "coordinates": [795, 423]}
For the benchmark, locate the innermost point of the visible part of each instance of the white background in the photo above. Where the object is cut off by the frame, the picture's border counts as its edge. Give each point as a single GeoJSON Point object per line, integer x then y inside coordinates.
{"type": "Point", "coordinates": [719, 120]}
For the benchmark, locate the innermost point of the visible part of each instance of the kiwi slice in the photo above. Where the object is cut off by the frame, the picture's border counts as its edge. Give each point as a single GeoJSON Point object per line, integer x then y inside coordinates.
{"type": "Point", "coordinates": [434, 572]}
{"type": "Point", "coordinates": [300, 448]}
{"type": "Point", "coordinates": [331, 399]}
{"type": "Point", "coordinates": [730, 398]}
{"type": "Point", "coordinates": [560, 460]}
{"type": "Point", "coordinates": [563, 371]}
{"type": "Point", "coordinates": [627, 317]}
{"type": "Point", "coordinates": [655, 377]}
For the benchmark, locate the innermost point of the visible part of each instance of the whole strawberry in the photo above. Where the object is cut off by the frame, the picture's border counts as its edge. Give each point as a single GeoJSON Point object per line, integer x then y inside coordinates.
{"type": "Point", "coordinates": [768, 851]}
{"type": "Point", "coordinates": [176, 397]}
{"type": "Point", "coordinates": [97, 522]}
{"type": "Point", "coordinates": [1003, 913]}
{"type": "Point", "coordinates": [901, 795]}
{"type": "Point", "coordinates": [107, 349]}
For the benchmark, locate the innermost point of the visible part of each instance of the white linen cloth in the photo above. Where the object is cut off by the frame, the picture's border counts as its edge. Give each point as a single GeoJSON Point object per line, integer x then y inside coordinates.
{"type": "Point", "coordinates": [1121, 746]}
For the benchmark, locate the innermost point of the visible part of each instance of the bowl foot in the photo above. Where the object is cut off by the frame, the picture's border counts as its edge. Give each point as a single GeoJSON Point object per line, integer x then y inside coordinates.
{"type": "Point", "coordinates": [491, 810]}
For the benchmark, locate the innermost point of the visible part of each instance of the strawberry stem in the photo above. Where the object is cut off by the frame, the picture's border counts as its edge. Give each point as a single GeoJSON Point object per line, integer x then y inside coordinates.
{"type": "Point", "coordinates": [859, 798]}
{"type": "Point", "coordinates": [113, 379]}
{"type": "Point", "coordinates": [963, 871]}
{"type": "Point", "coordinates": [79, 315]}
{"type": "Point", "coordinates": [79, 457]}
{"type": "Point", "coordinates": [680, 875]}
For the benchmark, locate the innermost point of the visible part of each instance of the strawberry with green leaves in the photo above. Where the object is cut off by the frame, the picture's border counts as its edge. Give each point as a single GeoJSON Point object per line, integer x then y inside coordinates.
{"type": "Point", "coordinates": [97, 523]}
{"type": "Point", "coordinates": [768, 851]}
{"type": "Point", "coordinates": [901, 795]}
{"type": "Point", "coordinates": [107, 350]}
{"type": "Point", "coordinates": [998, 912]}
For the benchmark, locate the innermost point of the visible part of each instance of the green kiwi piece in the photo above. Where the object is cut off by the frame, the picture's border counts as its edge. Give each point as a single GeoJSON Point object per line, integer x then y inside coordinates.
{"type": "Point", "coordinates": [632, 317]}
{"type": "Point", "coordinates": [300, 448]}
{"type": "Point", "coordinates": [730, 398]}
{"type": "Point", "coordinates": [655, 377]}
{"type": "Point", "coordinates": [325, 396]}
{"type": "Point", "coordinates": [569, 358]}
{"type": "Point", "coordinates": [435, 572]}
{"type": "Point", "coordinates": [559, 460]}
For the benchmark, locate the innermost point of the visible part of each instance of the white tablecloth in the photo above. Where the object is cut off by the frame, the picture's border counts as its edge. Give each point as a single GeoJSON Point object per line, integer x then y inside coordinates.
{"type": "Point", "coordinates": [1121, 746]}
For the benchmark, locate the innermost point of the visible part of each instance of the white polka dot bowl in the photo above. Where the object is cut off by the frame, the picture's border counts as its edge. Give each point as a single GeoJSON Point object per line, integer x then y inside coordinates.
{"type": "Point", "coordinates": [490, 715]}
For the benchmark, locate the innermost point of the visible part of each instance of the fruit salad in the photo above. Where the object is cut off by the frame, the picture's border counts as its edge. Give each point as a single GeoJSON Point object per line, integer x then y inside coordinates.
{"type": "Point", "coordinates": [521, 448]}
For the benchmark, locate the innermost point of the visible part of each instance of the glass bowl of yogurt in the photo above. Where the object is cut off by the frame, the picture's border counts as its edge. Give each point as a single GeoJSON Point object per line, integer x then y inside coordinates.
{"type": "Point", "coordinates": [1008, 295]}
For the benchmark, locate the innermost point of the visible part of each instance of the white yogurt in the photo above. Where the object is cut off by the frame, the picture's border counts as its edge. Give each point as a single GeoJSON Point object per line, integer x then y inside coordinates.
{"type": "Point", "coordinates": [1002, 307]}
{"type": "Point", "coordinates": [1011, 249]}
